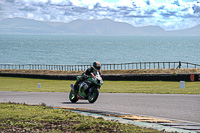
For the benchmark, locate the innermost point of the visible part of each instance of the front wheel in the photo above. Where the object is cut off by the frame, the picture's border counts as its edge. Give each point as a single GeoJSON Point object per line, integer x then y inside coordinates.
{"type": "Point", "coordinates": [93, 95]}
{"type": "Point", "coordinates": [73, 97]}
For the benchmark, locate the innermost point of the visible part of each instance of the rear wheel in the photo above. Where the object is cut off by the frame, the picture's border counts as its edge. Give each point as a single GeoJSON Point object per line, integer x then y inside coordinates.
{"type": "Point", "coordinates": [73, 97]}
{"type": "Point", "coordinates": [92, 97]}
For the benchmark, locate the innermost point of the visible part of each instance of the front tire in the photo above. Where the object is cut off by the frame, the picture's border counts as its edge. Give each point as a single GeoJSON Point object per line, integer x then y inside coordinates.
{"type": "Point", "coordinates": [92, 97]}
{"type": "Point", "coordinates": [73, 97]}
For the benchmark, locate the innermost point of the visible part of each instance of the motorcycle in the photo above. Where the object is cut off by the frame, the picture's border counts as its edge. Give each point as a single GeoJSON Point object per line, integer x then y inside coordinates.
{"type": "Point", "coordinates": [88, 89]}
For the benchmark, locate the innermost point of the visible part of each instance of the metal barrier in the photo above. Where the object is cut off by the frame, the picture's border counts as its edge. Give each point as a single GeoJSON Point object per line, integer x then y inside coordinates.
{"type": "Point", "coordinates": [122, 66]}
{"type": "Point", "coordinates": [150, 65]}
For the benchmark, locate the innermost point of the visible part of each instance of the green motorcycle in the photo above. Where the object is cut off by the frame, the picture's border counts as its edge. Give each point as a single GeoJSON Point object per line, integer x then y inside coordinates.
{"type": "Point", "coordinates": [88, 89]}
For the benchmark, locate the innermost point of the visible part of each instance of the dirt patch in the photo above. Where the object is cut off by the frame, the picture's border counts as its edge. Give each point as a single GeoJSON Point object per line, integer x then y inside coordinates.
{"type": "Point", "coordinates": [151, 71]}
{"type": "Point", "coordinates": [104, 72]}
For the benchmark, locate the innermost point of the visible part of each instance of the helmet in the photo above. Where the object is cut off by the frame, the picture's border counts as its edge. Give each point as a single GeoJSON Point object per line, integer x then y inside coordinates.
{"type": "Point", "coordinates": [97, 65]}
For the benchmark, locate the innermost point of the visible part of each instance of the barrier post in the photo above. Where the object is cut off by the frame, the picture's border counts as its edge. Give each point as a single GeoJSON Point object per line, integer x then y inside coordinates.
{"type": "Point", "coordinates": [182, 84]}
{"type": "Point", "coordinates": [192, 77]}
{"type": "Point", "coordinates": [39, 85]}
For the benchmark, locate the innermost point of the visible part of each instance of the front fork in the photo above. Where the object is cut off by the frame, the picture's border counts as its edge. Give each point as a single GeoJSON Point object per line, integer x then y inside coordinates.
{"type": "Point", "coordinates": [91, 88]}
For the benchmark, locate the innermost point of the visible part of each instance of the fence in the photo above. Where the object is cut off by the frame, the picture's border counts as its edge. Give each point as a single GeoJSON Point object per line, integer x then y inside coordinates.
{"type": "Point", "coordinates": [122, 66]}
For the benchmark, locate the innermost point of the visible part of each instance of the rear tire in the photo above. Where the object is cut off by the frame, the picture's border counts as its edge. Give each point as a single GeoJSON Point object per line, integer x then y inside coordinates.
{"type": "Point", "coordinates": [73, 97]}
{"type": "Point", "coordinates": [92, 97]}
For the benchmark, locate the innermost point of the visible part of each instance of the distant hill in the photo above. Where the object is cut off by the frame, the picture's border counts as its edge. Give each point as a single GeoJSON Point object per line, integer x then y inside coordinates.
{"type": "Point", "coordinates": [27, 26]}
{"type": "Point", "coordinates": [90, 27]}
{"type": "Point", "coordinates": [195, 31]}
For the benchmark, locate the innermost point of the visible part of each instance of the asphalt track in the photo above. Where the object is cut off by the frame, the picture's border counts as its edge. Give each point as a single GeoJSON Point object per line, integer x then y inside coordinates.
{"type": "Point", "coordinates": [169, 106]}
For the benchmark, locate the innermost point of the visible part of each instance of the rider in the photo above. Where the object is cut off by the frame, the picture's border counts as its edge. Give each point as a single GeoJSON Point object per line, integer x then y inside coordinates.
{"type": "Point", "coordinates": [95, 67]}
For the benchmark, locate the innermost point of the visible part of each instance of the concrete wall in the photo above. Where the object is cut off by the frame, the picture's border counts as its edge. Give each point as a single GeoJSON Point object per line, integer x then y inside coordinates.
{"type": "Point", "coordinates": [127, 77]}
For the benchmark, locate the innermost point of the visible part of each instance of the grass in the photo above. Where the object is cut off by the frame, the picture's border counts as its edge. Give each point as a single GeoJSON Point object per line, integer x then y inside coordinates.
{"type": "Point", "coordinates": [31, 85]}
{"type": "Point", "coordinates": [159, 87]}
{"type": "Point", "coordinates": [23, 118]}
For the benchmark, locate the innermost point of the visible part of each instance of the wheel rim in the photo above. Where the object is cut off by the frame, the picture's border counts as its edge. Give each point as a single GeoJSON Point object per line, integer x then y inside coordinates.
{"type": "Point", "coordinates": [92, 96]}
{"type": "Point", "coordinates": [72, 95]}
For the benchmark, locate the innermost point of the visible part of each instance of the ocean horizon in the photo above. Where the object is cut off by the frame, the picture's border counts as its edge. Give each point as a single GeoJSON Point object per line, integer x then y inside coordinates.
{"type": "Point", "coordinates": [84, 50]}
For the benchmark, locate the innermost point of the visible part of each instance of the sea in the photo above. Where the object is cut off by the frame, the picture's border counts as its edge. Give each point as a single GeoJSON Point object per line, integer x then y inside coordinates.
{"type": "Point", "coordinates": [84, 50]}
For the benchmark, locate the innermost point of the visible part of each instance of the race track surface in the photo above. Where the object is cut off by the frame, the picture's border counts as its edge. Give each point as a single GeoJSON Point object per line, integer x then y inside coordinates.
{"type": "Point", "coordinates": [170, 106]}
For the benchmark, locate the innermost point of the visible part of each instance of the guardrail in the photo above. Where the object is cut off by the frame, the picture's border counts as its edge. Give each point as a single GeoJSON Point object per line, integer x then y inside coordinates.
{"type": "Point", "coordinates": [150, 65]}
{"type": "Point", "coordinates": [122, 66]}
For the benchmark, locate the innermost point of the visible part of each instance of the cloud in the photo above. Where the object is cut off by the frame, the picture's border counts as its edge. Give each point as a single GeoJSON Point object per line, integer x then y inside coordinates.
{"type": "Point", "coordinates": [196, 8]}
{"type": "Point", "coordinates": [176, 2]}
{"type": "Point", "coordinates": [11, 1]}
{"type": "Point", "coordinates": [172, 15]}
{"type": "Point", "coordinates": [28, 8]}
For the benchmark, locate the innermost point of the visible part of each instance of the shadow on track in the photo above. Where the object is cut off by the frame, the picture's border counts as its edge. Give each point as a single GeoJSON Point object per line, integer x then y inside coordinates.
{"type": "Point", "coordinates": [75, 103]}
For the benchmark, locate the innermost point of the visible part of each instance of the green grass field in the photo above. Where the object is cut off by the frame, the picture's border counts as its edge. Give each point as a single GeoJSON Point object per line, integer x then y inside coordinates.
{"type": "Point", "coordinates": [45, 119]}
{"type": "Point", "coordinates": [159, 87]}
{"type": "Point", "coordinates": [22, 118]}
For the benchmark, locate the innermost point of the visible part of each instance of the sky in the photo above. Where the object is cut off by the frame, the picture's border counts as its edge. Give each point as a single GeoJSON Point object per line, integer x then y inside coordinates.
{"type": "Point", "coordinates": [168, 14]}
